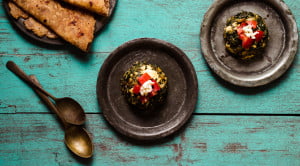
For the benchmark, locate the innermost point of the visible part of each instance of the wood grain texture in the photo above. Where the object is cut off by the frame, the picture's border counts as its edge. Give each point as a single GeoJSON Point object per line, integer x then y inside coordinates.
{"type": "Point", "coordinates": [31, 135]}
{"type": "Point", "coordinates": [64, 72]}
{"type": "Point", "coordinates": [34, 139]}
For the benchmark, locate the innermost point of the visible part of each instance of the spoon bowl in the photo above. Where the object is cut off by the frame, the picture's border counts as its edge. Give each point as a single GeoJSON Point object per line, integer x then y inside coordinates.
{"type": "Point", "coordinates": [78, 141]}
{"type": "Point", "coordinates": [77, 138]}
{"type": "Point", "coordinates": [70, 110]}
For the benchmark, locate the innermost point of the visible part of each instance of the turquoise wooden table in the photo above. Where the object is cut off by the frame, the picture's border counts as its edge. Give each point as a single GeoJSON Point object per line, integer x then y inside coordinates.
{"type": "Point", "coordinates": [230, 126]}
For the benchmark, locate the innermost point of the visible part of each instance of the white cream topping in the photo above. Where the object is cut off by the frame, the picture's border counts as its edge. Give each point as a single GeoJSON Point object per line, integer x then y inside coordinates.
{"type": "Point", "coordinates": [152, 73]}
{"type": "Point", "coordinates": [146, 88]}
{"type": "Point", "coordinates": [249, 32]}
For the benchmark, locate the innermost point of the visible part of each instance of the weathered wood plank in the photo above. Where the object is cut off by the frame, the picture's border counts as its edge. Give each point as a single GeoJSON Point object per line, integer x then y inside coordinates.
{"type": "Point", "coordinates": [37, 139]}
{"type": "Point", "coordinates": [65, 73]}
{"type": "Point", "coordinates": [29, 135]}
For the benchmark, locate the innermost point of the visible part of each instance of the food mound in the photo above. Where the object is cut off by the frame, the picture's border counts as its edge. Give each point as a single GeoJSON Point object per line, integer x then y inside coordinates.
{"type": "Point", "coordinates": [144, 85]}
{"type": "Point", "coordinates": [245, 35]}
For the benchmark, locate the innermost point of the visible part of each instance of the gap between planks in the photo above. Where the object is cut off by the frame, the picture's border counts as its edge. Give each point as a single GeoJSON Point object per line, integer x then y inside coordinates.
{"type": "Point", "coordinates": [194, 114]}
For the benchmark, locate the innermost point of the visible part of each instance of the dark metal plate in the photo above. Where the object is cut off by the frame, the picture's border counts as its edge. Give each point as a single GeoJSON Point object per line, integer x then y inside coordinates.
{"type": "Point", "coordinates": [279, 53]}
{"type": "Point", "coordinates": [100, 23]}
{"type": "Point", "coordinates": [182, 89]}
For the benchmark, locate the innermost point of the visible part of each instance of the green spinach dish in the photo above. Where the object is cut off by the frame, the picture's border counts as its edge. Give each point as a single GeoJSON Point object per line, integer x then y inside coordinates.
{"type": "Point", "coordinates": [144, 85]}
{"type": "Point", "coordinates": [246, 35]}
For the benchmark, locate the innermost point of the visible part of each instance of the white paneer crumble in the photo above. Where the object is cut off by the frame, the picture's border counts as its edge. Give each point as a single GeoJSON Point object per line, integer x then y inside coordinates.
{"type": "Point", "coordinates": [249, 32]}
{"type": "Point", "coordinates": [146, 88]}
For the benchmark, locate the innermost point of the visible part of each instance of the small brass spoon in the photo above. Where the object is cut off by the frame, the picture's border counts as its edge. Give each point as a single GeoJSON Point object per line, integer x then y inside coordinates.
{"type": "Point", "coordinates": [69, 109]}
{"type": "Point", "coordinates": [76, 138]}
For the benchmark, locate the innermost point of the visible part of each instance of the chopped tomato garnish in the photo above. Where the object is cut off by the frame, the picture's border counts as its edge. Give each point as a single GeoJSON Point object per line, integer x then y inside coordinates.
{"type": "Point", "coordinates": [156, 87]}
{"type": "Point", "coordinates": [246, 41]}
{"type": "Point", "coordinates": [259, 35]}
{"type": "Point", "coordinates": [240, 28]}
{"type": "Point", "coordinates": [153, 93]}
{"type": "Point", "coordinates": [144, 99]}
{"type": "Point", "coordinates": [253, 23]}
{"type": "Point", "coordinates": [136, 89]}
{"type": "Point", "coordinates": [145, 77]}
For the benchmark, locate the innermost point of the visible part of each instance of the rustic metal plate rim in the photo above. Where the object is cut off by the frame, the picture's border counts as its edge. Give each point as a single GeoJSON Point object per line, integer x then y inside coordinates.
{"type": "Point", "coordinates": [265, 77]}
{"type": "Point", "coordinates": [151, 132]}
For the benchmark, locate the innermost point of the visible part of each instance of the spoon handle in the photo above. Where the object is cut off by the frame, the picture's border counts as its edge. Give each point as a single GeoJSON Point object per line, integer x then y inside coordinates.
{"type": "Point", "coordinates": [19, 72]}
{"type": "Point", "coordinates": [46, 100]}
{"type": "Point", "coordinates": [76, 137]}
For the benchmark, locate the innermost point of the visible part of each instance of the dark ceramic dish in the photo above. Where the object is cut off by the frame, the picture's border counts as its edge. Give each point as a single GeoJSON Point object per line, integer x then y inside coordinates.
{"type": "Point", "coordinates": [279, 53]}
{"type": "Point", "coordinates": [100, 23]}
{"type": "Point", "coordinates": [182, 89]}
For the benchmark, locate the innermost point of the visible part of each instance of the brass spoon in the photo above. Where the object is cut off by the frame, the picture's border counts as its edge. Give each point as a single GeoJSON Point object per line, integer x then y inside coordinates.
{"type": "Point", "coordinates": [70, 110]}
{"type": "Point", "coordinates": [76, 138]}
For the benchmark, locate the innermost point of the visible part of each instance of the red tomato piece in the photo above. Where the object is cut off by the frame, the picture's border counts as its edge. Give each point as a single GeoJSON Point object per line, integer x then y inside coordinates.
{"type": "Point", "coordinates": [136, 89]}
{"type": "Point", "coordinates": [156, 87]}
{"type": "Point", "coordinates": [253, 23]}
{"type": "Point", "coordinates": [246, 41]}
{"type": "Point", "coordinates": [143, 99]}
{"type": "Point", "coordinates": [240, 28]}
{"type": "Point", "coordinates": [145, 77]}
{"type": "Point", "coordinates": [259, 35]}
{"type": "Point", "coordinates": [153, 93]}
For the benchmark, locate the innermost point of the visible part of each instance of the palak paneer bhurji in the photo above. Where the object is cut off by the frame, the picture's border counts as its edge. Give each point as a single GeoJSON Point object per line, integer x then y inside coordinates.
{"type": "Point", "coordinates": [144, 85]}
{"type": "Point", "coordinates": [246, 35]}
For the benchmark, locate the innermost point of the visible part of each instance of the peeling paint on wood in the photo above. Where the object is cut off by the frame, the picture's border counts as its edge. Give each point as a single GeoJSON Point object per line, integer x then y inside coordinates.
{"type": "Point", "coordinates": [168, 22]}
{"type": "Point", "coordinates": [234, 148]}
{"type": "Point", "coordinates": [29, 129]}
{"type": "Point", "coordinates": [41, 135]}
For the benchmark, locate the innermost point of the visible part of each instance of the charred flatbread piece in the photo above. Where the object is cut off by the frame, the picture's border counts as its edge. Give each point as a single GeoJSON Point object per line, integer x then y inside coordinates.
{"type": "Point", "coordinates": [30, 23]}
{"type": "Point", "coordinates": [16, 12]}
{"type": "Point", "coordinates": [97, 6]}
{"type": "Point", "coordinates": [74, 26]}
{"type": "Point", "coordinates": [38, 29]}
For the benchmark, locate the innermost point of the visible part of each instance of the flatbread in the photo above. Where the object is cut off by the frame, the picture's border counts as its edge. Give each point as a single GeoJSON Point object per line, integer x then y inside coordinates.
{"type": "Point", "coordinates": [74, 26]}
{"type": "Point", "coordinates": [38, 29]}
{"type": "Point", "coordinates": [16, 12]}
{"type": "Point", "coordinates": [30, 23]}
{"type": "Point", "coordinates": [97, 6]}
